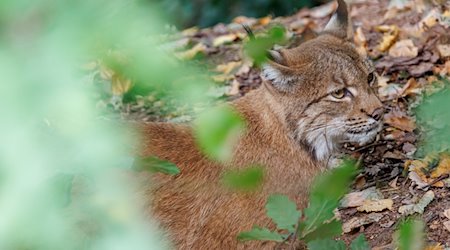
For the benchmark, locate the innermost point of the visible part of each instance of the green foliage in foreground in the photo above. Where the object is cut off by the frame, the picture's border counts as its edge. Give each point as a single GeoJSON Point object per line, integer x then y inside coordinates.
{"type": "Point", "coordinates": [410, 235]}
{"type": "Point", "coordinates": [57, 186]}
{"type": "Point", "coordinates": [318, 226]}
{"type": "Point", "coordinates": [154, 165]}
{"type": "Point", "coordinates": [216, 131]}
{"type": "Point", "coordinates": [256, 48]}
{"type": "Point", "coordinates": [247, 179]}
{"type": "Point", "coordinates": [433, 115]}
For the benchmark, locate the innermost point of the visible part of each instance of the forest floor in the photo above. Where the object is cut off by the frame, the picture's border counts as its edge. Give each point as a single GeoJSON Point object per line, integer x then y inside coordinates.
{"type": "Point", "coordinates": [409, 42]}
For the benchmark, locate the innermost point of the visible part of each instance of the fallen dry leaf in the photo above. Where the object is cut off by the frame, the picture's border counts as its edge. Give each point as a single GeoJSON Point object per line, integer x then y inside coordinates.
{"type": "Point", "coordinates": [417, 180]}
{"type": "Point", "coordinates": [356, 199]}
{"type": "Point", "coordinates": [444, 50]}
{"type": "Point", "coordinates": [222, 78]}
{"type": "Point", "coordinates": [400, 120]}
{"type": "Point", "coordinates": [435, 165]}
{"type": "Point", "coordinates": [192, 52]}
{"type": "Point", "coordinates": [249, 21]}
{"type": "Point", "coordinates": [265, 20]}
{"type": "Point", "coordinates": [106, 73]}
{"type": "Point", "coordinates": [375, 205]}
{"type": "Point", "coordinates": [411, 88]}
{"type": "Point", "coordinates": [404, 48]}
{"type": "Point", "coordinates": [443, 167]}
{"type": "Point", "coordinates": [395, 134]}
{"type": "Point", "coordinates": [357, 222]}
{"type": "Point", "coordinates": [120, 85]}
{"type": "Point", "coordinates": [190, 31]}
{"type": "Point", "coordinates": [234, 89]}
{"type": "Point", "coordinates": [390, 34]}
{"type": "Point", "coordinates": [220, 40]}
{"type": "Point", "coordinates": [227, 68]}
{"type": "Point", "coordinates": [418, 207]}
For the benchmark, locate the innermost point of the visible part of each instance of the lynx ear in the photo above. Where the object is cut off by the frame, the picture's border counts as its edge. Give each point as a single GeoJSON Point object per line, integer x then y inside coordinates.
{"type": "Point", "coordinates": [340, 24]}
{"type": "Point", "coordinates": [277, 72]}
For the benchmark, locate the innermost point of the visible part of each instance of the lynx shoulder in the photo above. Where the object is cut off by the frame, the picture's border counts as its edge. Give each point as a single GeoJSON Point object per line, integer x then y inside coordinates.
{"type": "Point", "coordinates": [313, 98]}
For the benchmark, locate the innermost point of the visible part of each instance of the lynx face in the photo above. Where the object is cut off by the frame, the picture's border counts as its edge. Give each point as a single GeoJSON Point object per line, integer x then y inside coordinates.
{"type": "Point", "coordinates": [324, 89]}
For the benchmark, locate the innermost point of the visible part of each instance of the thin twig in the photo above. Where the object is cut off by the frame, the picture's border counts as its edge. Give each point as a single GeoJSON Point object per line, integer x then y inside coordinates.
{"type": "Point", "coordinates": [369, 146]}
{"type": "Point", "coordinates": [371, 184]}
{"type": "Point", "coordinates": [442, 177]}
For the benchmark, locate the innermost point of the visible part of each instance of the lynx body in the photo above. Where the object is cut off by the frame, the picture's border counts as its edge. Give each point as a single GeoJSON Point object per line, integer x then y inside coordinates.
{"type": "Point", "coordinates": [313, 97]}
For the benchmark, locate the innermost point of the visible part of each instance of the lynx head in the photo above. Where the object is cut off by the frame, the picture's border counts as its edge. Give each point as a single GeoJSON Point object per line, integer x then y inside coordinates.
{"type": "Point", "coordinates": [323, 87]}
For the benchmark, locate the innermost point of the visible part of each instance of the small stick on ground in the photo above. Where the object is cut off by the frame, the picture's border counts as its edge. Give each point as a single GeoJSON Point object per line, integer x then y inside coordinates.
{"type": "Point", "coordinates": [442, 177]}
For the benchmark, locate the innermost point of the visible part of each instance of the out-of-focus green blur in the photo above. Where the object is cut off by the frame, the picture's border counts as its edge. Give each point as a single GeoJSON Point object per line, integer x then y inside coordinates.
{"type": "Point", "coordinates": [52, 136]}
{"type": "Point", "coordinates": [204, 13]}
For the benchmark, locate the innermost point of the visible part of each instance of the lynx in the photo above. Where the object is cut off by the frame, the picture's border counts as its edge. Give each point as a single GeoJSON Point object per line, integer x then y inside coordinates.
{"type": "Point", "coordinates": [313, 98]}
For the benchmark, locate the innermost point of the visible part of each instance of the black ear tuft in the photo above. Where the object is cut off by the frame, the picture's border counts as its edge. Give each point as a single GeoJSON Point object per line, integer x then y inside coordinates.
{"type": "Point", "coordinates": [340, 24]}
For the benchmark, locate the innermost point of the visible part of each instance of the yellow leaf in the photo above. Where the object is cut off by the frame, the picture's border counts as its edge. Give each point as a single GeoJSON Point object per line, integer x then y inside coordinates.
{"type": "Point", "coordinates": [389, 37]}
{"type": "Point", "coordinates": [190, 32]}
{"type": "Point", "coordinates": [222, 78]}
{"type": "Point", "coordinates": [376, 205]}
{"type": "Point", "coordinates": [220, 40]}
{"type": "Point", "coordinates": [427, 165]}
{"type": "Point", "coordinates": [191, 53]}
{"type": "Point", "coordinates": [106, 73]}
{"type": "Point", "coordinates": [120, 85]}
{"type": "Point", "coordinates": [265, 20]}
{"type": "Point", "coordinates": [443, 167]}
{"type": "Point", "coordinates": [227, 68]}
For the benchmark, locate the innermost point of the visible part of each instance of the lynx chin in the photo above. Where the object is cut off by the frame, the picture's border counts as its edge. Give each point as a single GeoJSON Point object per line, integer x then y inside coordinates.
{"type": "Point", "coordinates": [313, 98]}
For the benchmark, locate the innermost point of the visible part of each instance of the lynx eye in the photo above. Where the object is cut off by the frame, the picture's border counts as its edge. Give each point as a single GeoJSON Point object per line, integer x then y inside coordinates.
{"type": "Point", "coordinates": [371, 78]}
{"type": "Point", "coordinates": [340, 93]}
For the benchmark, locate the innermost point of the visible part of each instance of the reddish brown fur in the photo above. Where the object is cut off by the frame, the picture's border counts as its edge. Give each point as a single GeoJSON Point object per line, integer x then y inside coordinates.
{"type": "Point", "coordinates": [195, 207]}
{"type": "Point", "coordinates": [197, 211]}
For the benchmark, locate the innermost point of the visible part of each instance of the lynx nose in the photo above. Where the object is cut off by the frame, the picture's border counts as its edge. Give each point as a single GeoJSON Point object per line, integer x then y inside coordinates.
{"type": "Point", "coordinates": [377, 113]}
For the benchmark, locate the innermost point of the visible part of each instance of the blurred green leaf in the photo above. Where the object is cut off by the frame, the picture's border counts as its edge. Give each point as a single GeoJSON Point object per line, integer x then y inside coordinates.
{"type": "Point", "coordinates": [257, 48]}
{"type": "Point", "coordinates": [154, 164]}
{"type": "Point", "coordinates": [246, 179]}
{"type": "Point", "coordinates": [433, 115]}
{"type": "Point", "coordinates": [325, 231]}
{"type": "Point", "coordinates": [325, 194]}
{"type": "Point", "coordinates": [260, 234]}
{"type": "Point", "coordinates": [360, 243]}
{"type": "Point", "coordinates": [217, 130]}
{"type": "Point", "coordinates": [62, 188]}
{"type": "Point", "coordinates": [283, 212]}
{"type": "Point", "coordinates": [327, 244]}
{"type": "Point", "coordinates": [410, 235]}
